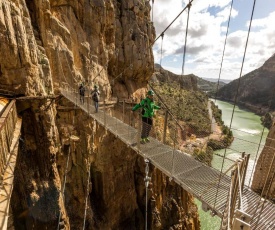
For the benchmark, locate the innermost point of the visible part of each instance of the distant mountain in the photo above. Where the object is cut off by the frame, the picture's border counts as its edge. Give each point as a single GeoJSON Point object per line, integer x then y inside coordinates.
{"type": "Point", "coordinates": [186, 81]}
{"type": "Point", "coordinates": [256, 89]}
{"type": "Point", "coordinates": [224, 81]}
{"type": "Point", "coordinates": [189, 81]}
{"type": "Point", "coordinates": [208, 85]}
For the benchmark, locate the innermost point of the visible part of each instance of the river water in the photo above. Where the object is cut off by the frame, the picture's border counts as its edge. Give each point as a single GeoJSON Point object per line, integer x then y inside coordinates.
{"type": "Point", "coordinates": [249, 137]}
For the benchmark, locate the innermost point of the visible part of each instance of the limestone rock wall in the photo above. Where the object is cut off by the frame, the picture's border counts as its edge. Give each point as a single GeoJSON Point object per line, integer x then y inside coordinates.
{"type": "Point", "coordinates": [49, 44]}
{"type": "Point", "coordinates": [21, 57]}
{"type": "Point", "coordinates": [57, 43]}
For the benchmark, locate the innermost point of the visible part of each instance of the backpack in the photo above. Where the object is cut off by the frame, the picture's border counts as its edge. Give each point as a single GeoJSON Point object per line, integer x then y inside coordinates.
{"type": "Point", "coordinates": [95, 96]}
{"type": "Point", "coordinates": [81, 90]}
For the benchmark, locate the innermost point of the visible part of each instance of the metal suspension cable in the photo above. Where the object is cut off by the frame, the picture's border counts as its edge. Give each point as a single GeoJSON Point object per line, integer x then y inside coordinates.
{"type": "Point", "coordinates": [187, 6]}
{"type": "Point", "coordinates": [147, 180]}
{"type": "Point", "coordinates": [228, 24]}
{"type": "Point", "coordinates": [225, 41]}
{"type": "Point", "coordinates": [246, 43]}
{"type": "Point", "coordinates": [236, 95]}
{"type": "Point", "coordinates": [63, 189]}
{"type": "Point", "coordinates": [224, 46]}
{"type": "Point", "coordinates": [162, 35]}
{"type": "Point", "coordinates": [221, 65]}
{"type": "Point", "coordinates": [185, 42]}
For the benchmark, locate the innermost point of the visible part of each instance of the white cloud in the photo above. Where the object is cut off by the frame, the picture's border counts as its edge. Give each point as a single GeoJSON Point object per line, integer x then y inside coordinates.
{"type": "Point", "coordinates": [206, 37]}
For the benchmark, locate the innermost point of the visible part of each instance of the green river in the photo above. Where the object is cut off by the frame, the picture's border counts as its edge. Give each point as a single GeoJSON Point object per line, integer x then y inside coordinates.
{"type": "Point", "coordinates": [249, 137]}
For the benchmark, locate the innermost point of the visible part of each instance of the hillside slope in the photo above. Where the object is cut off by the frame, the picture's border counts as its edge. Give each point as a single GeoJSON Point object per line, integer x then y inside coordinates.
{"type": "Point", "coordinates": [254, 90]}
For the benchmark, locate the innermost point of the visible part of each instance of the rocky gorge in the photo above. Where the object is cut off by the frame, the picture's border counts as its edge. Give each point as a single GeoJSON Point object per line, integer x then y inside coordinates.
{"type": "Point", "coordinates": [46, 45]}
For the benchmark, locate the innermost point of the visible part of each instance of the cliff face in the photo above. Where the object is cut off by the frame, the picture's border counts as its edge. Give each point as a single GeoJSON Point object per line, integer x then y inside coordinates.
{"type": "Point", "coordinates": [49, 44]}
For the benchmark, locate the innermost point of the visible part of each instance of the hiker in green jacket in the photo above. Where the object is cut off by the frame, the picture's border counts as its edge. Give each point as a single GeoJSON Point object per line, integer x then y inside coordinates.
{"type": "Point", "coordinates": [148, 106]}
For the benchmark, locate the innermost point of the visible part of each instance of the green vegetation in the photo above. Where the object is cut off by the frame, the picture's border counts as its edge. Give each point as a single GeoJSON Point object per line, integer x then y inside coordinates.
{"type": "Point", "coordinates": [205, 156]}
{"type": "Point", "coordinates": [267, 120]}
{"type": "Point", "coordinates": [188, 106]}
{"type": "Point", "coordinates": [227, 137]}
{"type": "Point", "coordinates": [217, 113]}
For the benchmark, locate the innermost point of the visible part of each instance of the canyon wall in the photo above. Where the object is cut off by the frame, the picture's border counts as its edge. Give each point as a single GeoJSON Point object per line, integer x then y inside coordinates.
{"type": "Point", "coordinates": [66, 159]}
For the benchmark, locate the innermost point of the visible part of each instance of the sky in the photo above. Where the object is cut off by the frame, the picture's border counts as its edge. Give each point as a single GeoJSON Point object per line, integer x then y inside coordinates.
{"type": "Point", "coordinates": [206, 35]}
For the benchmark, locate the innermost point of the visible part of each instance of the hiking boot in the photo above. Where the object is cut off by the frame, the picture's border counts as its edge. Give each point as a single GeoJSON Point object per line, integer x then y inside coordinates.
{"type": "Point", "coordinates": [143, 141]}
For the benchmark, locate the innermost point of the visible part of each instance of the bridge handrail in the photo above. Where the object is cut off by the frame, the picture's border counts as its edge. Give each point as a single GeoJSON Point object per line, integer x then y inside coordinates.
{"type": "Point", "coordinates": [7, 124]}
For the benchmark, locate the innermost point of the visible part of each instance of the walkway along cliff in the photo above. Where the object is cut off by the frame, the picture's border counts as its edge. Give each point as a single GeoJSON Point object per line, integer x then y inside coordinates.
{"type": "Point", "coordinates": [45, 45]}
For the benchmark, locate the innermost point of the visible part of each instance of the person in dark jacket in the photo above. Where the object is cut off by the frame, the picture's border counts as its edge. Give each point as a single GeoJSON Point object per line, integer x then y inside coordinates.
{"type": "Point", "coordinates": [82, 92]}
{"type": "Point", "coordinates": [148, 110]}
{"type": "Point", "coordinates": [95, 97]}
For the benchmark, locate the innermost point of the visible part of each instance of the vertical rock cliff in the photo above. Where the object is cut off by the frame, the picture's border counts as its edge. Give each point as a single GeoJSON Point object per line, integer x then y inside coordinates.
{"type": "Point", "coordinates": [49, 44]}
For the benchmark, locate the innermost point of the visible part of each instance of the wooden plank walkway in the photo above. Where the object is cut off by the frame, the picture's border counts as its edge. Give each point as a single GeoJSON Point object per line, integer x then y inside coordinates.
{"type": "Point", "coordinates": [193, 176]}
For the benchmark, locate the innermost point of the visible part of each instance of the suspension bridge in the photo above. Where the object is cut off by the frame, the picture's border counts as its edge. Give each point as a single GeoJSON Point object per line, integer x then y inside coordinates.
{"type": "Point", "coordinates": [223, 193]}
{"type": "Point", "coordinates": [226, 196]}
